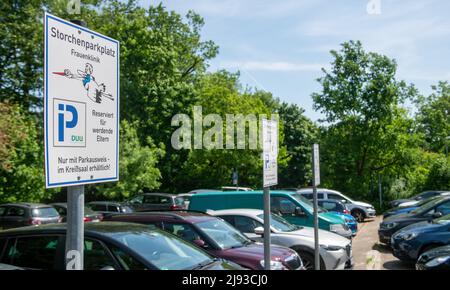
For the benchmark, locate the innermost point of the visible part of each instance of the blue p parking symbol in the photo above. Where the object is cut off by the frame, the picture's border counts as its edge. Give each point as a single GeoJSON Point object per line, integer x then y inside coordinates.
{"type": "Point", "coordinates": [62, 123]}
{"type": "Point", "coordinates": [69, 123]}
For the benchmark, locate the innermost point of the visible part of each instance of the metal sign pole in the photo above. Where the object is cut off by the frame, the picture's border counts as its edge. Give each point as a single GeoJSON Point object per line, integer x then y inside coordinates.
{"type": "Point", "coordinates": [316, 181]}
{"type": "Point", "coordinates": [267, 228]}
{"type": "Point", "coordinates": [75, 228]}
{"type": "Point", "coordinates": [75, 218]}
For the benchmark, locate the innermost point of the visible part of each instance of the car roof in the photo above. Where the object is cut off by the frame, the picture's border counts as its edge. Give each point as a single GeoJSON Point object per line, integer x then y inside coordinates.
{"type": "Point", "coordinates": [179, 216]}
{"type": "Point", "coordinates": [237, 211]}
{"type": "Point", "coordinates": [103, 228]}
{"type": "Point", "coordinates": [26, 204]}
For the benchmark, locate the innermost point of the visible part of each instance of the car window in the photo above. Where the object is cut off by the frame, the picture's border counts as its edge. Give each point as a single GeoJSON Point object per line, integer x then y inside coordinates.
{"type": "Point", "coordinates": [246, 224]}
{"type": "Point", "coordinates": [96, 256]}
{"type": "Point", "coordinates": [223, 234]}
{"type": "Point", "coordinates": [137, 200]}
{"type": "Point", "coordinates": [125, 209]}
{"type": "Point", "coordinates": [2, 210]}
{"type": "Point", "coordinates": [44, 212]}
{"type": "Point", "coordinates": [335, 196]}
{"type": "Point", "coordinates": [15, 211]}
{"type": "Point", "coordinates": [61, 210]}
{"type": "Point", "coordinates": [164, 199]}
{"type": "Point", "coordinates": [98, 207]}
{"type": "Point", "coordinates": [37, 252]}
{"type": "Point", "coordinates": [126, 260]}
{"type": "Point", "coordinates": [330, 206]}
{"type": "Point", "coordinates": [282, 205]}
{"type": "Point", "coordinates": [444, 208]}
{"type": "Point", "coordinates": [308, 195]}
{"type": "Point", "coordinates": [2, 245]}
{"type": "Point", "coordinates": [151, 199]}
{"type": "Point", "coordinates": [184, 231]}
{"type": "Point", "coordinates": [229, 219]}
{"type": "Point", "coordinates": [113, 208]}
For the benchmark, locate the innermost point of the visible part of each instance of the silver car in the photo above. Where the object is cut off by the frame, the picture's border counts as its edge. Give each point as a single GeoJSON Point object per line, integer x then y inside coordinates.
{"type": "Point", "coordinates": [335, 250]}
{"type": "Point", "coordinates": [359, 210]}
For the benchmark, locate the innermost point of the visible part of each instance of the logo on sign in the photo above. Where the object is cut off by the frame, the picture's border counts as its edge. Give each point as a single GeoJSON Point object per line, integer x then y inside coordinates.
{"type": "Point", "coordinates": [69, 124]}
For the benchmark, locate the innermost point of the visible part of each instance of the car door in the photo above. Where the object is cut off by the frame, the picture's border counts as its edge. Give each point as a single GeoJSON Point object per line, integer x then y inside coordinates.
{"type": "Point", "coordinates": [39, 252]}
{"type": "Point", "coordinates": [15, 216]}
{"type": "Point", "coordinates": [286, 208]}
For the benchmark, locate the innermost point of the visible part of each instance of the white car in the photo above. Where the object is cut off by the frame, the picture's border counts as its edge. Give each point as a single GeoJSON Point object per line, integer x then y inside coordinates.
{"type": "Point", "coordinates": [335, 250]}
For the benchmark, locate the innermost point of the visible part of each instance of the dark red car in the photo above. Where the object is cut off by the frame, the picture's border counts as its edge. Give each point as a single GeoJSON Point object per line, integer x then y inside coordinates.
{"type": "Point", "coordinates": [217, 237]}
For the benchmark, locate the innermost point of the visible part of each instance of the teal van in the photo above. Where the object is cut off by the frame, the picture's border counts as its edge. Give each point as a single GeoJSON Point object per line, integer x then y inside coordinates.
{"type": "Point", "coordinates": [290, 205]}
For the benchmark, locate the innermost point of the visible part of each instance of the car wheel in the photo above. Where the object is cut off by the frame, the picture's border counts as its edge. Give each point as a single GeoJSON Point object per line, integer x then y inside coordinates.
{"type": "Point", "coordinates": [358, 215]}
{"type": "Point", "coordinates": [308, 260]}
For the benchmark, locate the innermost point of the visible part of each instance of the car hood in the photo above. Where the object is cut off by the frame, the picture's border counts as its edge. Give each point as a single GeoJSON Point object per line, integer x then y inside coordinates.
{"type": "Point", "coordinates": [408, 203]}
{"type": "Point", "coordinates": [325, 237]}
{"type": "Point", "coordinates": [399, 210]}
{"type": "Point", "coordinates": [332, 217]}
{"type": "Point", "coordinates": [399, 217]}
{"type": "Point", "coordinates": [364, 204]}
{"type": "Point", "coordinates": [421, 227]}
{"type": "Point", "coordinates": [255, 251]}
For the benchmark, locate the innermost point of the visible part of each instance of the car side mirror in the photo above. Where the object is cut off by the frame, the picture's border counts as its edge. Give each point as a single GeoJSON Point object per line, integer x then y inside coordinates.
{"type": "Point", "coordinates": [437, 215]}
{"type": "Point", "coordinates": [200, 243]}
{"type": "Point", "coordinates": [259, 231]}
{"type": "Point", "coordinates": [107, 268]}
{"type": "Point", "coordinates": [299, 211]}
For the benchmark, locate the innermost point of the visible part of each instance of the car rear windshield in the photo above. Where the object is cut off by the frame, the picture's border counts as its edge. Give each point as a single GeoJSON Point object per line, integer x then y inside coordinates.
{"type": "Point", "coordinates": [44, 212]}
{"type": "Point", "coordinates": [163, 250]}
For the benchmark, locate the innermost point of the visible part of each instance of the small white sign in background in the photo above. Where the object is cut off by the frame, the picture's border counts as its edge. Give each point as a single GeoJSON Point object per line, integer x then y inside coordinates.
{"type": "Point", "coordinates": [81, 105]}
{"type": "Point", "coordinates": [270, 152]}
{"type": "Point", "coordinates": [316, 162]}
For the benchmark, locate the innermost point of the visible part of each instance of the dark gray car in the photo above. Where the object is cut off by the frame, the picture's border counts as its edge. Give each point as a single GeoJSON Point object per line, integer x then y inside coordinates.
{"type": "Point", "coordinates": [157, 201]}
{"type": "Point", "coordinates": [13, 215]}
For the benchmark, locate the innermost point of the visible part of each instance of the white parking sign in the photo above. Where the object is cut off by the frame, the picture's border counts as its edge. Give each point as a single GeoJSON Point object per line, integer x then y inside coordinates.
{"type": "Point", "coordinates": [81, 105]}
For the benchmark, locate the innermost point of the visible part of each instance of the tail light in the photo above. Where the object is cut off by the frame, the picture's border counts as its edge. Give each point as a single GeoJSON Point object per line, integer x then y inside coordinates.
{"type": "Point", "coordinates": [60, 220]}
{"type": "Point", "coordinates": [87, 219]}
{"type": "Point", "coordinates": [175, 207]}
{"type": "Point", "coordinates": [34, 222]}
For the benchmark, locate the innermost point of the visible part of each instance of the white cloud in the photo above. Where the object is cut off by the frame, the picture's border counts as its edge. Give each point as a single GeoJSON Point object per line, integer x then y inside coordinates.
{"type": "Point", "coordinates": [280, 66]}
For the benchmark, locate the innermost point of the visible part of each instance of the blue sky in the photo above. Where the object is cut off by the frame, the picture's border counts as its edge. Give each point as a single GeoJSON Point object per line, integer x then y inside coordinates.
{"type": "Point", "coordinates": [280, 46]}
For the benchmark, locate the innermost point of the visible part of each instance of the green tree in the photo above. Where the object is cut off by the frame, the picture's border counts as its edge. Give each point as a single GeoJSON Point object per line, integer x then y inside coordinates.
{"type": "Point", "coordinates": [368, 132]}
{"type": "Point", "coordinates": [21, 157]}
{"type": "Point", "coordinates": [299, 134]}
{"type": "Point", "coordinates": [138, 170]}
{"type": "Point", "coordinates": [434, 118]}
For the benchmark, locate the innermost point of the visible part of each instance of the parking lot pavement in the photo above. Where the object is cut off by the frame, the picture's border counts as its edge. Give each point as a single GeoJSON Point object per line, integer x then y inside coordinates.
{"type": "Point", "coordinates": [369, 254]}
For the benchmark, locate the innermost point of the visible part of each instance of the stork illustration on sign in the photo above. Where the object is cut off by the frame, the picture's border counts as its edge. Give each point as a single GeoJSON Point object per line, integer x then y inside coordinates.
{"type": "Point", "coordinates": [94, 91]}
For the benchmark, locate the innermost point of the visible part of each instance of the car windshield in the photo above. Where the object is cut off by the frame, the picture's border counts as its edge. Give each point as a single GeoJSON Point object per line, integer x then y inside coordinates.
{"type": "Point", "coordinates": [280, 224]}
{"type": "Point", "coordinates": [164, 251]}
{"type": "Point", "coordinates": [307, 203]}
{"type": "Point", "coordinates": [223, 234]}
{"type": "Point", "coordinates": [426, 207]}
{"type": "Point", "coordinates": [45, 212]}
{"type": "Point", "coordinates": [442, 220]}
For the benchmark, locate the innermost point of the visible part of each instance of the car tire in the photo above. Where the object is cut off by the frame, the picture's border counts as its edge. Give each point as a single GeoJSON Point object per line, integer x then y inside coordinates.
{"type": "Point", "coordinates": [359, 215]}
{"type": "Point", "coordinates": [308, 261]}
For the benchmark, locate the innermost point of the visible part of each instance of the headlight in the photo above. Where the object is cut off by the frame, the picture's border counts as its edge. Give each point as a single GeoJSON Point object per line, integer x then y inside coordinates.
{"type": "Point", "coordinates": [407, 237]}
{"type": "Point", "coordinates": [274, 265]}
{"type": "Point", "coordinates": [337, 228]}
{"type": "Point", "coordinates": [389, 225]}
{"type": "Point", "coordinates": [330, 248]}
{"type": "Point", "coordinates": [437, 261]}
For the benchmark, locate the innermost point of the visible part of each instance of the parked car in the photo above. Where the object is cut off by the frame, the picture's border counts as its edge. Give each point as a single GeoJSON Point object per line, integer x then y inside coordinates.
{"type": "Point", "coordinates": [13, 215]}
{"type": "Point", "coordinates": [108, 207]}
{"type": "Point", "coordinates": [415, 202]}
{"type": "Point", "coordinates": [435, 259]}
{"type": "Point", "coordinates": [335, 251]}
{"type": "Point", "coordinates": [339, 208]}
{"type": "Point", "coordinates": [217, 237]}
{"type": "Point", "coordinates": [236, 188]}
{"type": "Point", "coordinates": [156, 201]}
{"type": "Point", "coordinates": [89, 214]}
{"type": "Point", "coordinates": [432, 210]}
{"type": "Point", "coordinates": [107, 246]}
{"type": "Point", "coordinates": [411, 241]}
{"type": "Point", "coordinates": [402, 210]}
{"type": "Point", "coordinates": [359, 210]}
{"type": "Point", "coordinates": [290, 205]}
{"type": "Point", "coordinates": [420, 196]}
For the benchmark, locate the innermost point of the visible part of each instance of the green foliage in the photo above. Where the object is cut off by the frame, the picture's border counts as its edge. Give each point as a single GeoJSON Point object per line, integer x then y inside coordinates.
{"type": "Point", "coordinates": [138, 170]}
{"type": "Point", "coordinates": [21, 157]}
{"type": "Point", "coordinates": [299, 134]}
{"type": "Point", "coordinates": [368, 132]}
{"type": "Point", "coordinates": [434, 118]}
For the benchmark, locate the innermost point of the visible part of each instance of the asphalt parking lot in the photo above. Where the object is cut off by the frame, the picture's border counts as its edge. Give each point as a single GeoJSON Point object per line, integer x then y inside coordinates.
{"type": "Point", "coordinates": [369, 254]}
